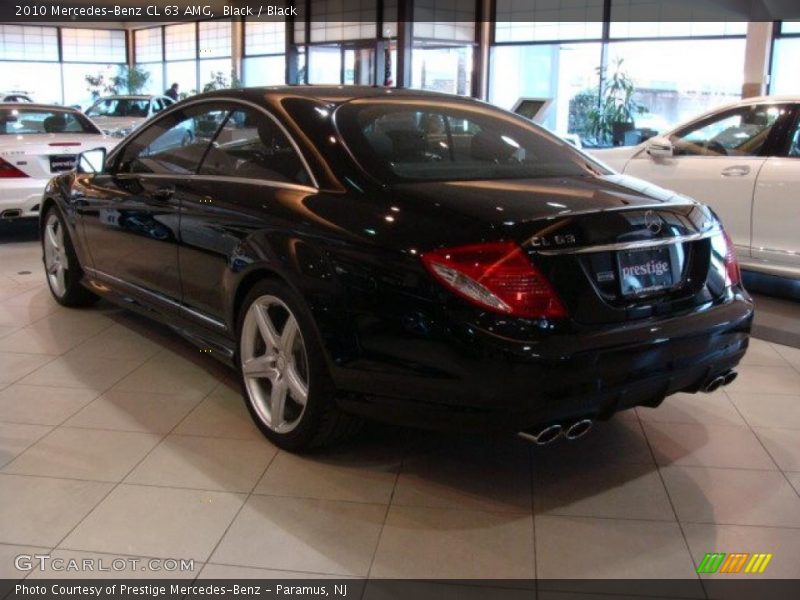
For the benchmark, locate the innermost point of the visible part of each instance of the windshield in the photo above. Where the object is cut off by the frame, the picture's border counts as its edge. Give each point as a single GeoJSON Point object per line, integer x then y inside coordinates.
{"type": "Point", "coordinates": [447, 141]}
{"type": "Point", "coordinates": [120, 107]}
{"type": "Point", "coordinates": [28, 120]}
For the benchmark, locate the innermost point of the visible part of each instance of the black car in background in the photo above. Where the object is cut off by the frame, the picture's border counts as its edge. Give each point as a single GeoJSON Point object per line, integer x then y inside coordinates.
{"type": "Point", "coordinates": [407, 256]}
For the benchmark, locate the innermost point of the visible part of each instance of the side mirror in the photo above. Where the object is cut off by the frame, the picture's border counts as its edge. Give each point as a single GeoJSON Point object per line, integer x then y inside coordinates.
{"type": "Point", "coordinates": [660, 147]}
{"type": "Point", "coordinates": [91, 162]}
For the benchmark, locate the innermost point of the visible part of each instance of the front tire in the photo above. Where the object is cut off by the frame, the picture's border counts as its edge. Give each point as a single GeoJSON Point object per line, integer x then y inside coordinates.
{"type": "Point", "coordinates": [285, 379]}
{"type": "Point", "coordinates": [62, 269]}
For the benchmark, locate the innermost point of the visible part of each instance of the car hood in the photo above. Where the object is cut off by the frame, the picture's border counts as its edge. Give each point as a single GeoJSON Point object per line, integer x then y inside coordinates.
{"type": "Point", "coordinates": [615, 158]}
{"type": "Point", "coordinates": [113, 123]}
{"type": "Point", "coordinates": [521, 200]}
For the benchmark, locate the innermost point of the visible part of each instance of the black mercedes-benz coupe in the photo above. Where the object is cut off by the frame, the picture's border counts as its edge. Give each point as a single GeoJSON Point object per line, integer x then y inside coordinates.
{"type": "Point", "coordinates": [406, 256]}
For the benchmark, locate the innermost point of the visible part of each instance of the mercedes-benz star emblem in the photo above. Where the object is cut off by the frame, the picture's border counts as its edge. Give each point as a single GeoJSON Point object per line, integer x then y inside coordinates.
{"type": "Point", "coordinates": [652, 221]}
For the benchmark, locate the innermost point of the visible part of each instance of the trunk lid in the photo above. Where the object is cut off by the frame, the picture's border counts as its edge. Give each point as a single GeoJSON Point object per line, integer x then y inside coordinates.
{"type": "Point", "coordinates": [47, 154]}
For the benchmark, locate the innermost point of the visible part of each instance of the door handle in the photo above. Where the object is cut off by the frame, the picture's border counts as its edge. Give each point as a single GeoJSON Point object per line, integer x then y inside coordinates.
{"type": "Point", "coordinates": [737, 171]}
{"type": "Point", "coordinates": [163, 194]}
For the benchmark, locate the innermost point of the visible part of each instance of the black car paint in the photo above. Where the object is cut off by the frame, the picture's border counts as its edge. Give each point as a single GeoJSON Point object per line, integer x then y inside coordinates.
{"type": "Point", "coordinates": [400, 347]}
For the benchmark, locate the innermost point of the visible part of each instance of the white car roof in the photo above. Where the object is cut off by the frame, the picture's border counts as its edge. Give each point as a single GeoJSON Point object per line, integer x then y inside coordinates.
{"type": "Point", "coordinates": [38, 105]}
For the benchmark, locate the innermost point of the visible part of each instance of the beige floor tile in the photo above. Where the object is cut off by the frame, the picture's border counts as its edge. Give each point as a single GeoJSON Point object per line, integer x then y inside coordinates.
{"type": "Point", "coordinates": [732, 496]}
{"type": "Point", "coordinates": [232, 572]}
{"type": "Point", "coordinates": [707, 446]}
{"type": "Point", "coordinates": [762, 354]}
{"type": "Point", "coordinates": [575, 548]}
{"type": "Point", "coordinates": [769, 410]}
{"type": "Point", "coordinates": [84, 454]}
{"type": "Point", "coordinates": [17, 315]}
{"type": "Point", "coordinates": [42, 510]}
{"type": "Point", "coordinates": [27, 562]}
{"type": "Point", "coordinates": [54, 334]}
{"type": "Point", "coordinates": [299, 534]}
{"type": "Point", "coordinates": [783, 544]}
{"type": "Point", "coordinates": [153, 521]}
{"type": "Point", "coordinates": [134, 411]}
{"type": "Point", "coordinates": [617, 440]}
{"type": "Point", "coordinates": [73, 372]}
{"type": "Point", "coordinates": [355, 473]}
{"type": "Point", "coordinates": [16, 365]}
{"type": "Point", "coordinates": [170, 373]}
{"type": "Point", "coordinates": [763, 380]}
{"type": "Point", "coordinates": [221, 414]}
{"type": "Point", "coordinates": [623, 491]}
{"type": "Point", "coordinates": [116, 342]}
{"type": "Point", "coordinates": [469, 472]}
{"type": "Point", "coordinates": [794, 479]}
{"type": "Point", "coordinates": [783, 445]}
{"type": "Point", "coordinates": [205, 463]}
{"type": "Point", "coordinates": [114, 566]}
{"type": "Point", "coordinates": [701, 409]}
{"type": "Point", "coordinates": [31, 293]}
{"type": "Point", "coordinates": [15, 438]}
{"type": "Point", "coordinates": [41, 405]}
{"type": "Point", "coordinates": [437, 543]}
{"type": "Point", "coordinates": [7, 330]}
{"type": "Point", "coordinates": [791, 355]}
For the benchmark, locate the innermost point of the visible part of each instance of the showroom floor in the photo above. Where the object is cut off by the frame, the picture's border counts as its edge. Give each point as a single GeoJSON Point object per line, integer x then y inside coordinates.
{"type": "Point", "coordinates": [117, 438]}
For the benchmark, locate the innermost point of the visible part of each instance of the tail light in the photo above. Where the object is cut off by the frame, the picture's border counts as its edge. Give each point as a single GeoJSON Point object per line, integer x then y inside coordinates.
{"type": "Point", "coordinates": [734, 274]}
{"type": "Point", "coordinates": [496, 276]}
{"type": "Point", "coordinates": [9, 170]}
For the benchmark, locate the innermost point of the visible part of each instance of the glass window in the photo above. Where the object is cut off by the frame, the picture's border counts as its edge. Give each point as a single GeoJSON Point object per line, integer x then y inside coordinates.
{"type": "Point", "coordinates": [445, 143]}
{"type": "Point", "coordinates": [794, 142]}
{"type": "Point", "coordinates": [251, 145]}
{"type": "Point", "coordinates": [155, 83]}
{"type": "Point", "coordinates": [120, 107]}
{"type": "Point", "coordinates": [180, 41]}
{"type": "Point", "coordinates": [215, 73]}
{"type": "Point", "coordinates": [439, 69]}
{"type": "Point", "coordinates": [264, 37]}
{"type": "Point", "coordinates": [444, 20]}
{"type": "Point", "coordinates": [93, 45]}
{"type": "Point", "coordinates": [790, 27]}
{"type": "Point", "coordinates": [264, 70]}
{"type": "Point", "coordinates": [565, 73]}
{"type": "Point", "coordinates": [739, 132]}
{"type": "Point", "coordinates": [784, 67]}
{"type": "Point", "coordinates": [147, 44]}
{"type": "Point", "coordinates": [77, 89]}
{"type": "Point", "coordinates": [23, 120]}
{"type": "Point", "coordinates": [184, 73]}
{"type": "Point", "coordinates": [545, 20]}
{"type": "Point", "coordinates": [324, 64]}
{"type": "Point", "coordinates": [334, 20]}
{"type": "Point", "coordinates": [23, 42]}
{"type": "Point", "coordinates": [214, 38]}
{"type": "Point", "coordinates": [173, 145]}
{"type": "Point", "coordinates": [42, 81]}
{"type": "Point", "coordinates": [689, 29]}
{"type": "Point", "coordinates": [677, 80]}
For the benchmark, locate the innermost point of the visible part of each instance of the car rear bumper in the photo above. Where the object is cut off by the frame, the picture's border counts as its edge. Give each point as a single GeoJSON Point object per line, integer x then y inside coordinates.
{"type": "Point", "coordinates": [23, 195]}
{"type": "Point", "coordinates": [502, 384]}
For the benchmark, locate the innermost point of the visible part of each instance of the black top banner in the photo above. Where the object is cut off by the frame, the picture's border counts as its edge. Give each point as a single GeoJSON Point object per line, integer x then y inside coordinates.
{"type": "Point", "coordinates": [78, 11]}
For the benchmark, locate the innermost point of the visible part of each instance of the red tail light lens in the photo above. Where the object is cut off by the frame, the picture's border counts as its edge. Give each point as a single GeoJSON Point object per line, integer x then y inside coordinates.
{"type": "Point", "coordinates": [9, 170]}
{"type": "Point", "coordinates": [496, 276]}
{"type": "Point", "coordinates": [731, 264]}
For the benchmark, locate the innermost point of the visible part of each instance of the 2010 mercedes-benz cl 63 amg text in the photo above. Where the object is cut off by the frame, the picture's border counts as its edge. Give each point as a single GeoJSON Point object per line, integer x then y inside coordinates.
{"type": "Point", "coordinates": [406, 256]}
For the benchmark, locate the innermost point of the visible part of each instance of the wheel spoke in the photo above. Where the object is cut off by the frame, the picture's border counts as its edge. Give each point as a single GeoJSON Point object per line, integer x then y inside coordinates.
{"type": "Point", "coordinates": [51, 237]}
{"type": "Point", "coordinates": [278, 402]}
{"type": "Point", "coordinates": [297, 387]}
{"type": "Point", "coordinates": [288, 335]}
{"type": "Point", "coordinates": [266, 327]}
{"type": "Point", "coordinates": [261, 367]}
{"type": "Point", "coordinates": [61, 279]}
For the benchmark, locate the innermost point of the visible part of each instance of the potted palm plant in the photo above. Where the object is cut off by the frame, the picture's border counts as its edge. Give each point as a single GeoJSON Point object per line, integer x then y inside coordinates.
{"type": "Point", "coordinates": [615, 113]}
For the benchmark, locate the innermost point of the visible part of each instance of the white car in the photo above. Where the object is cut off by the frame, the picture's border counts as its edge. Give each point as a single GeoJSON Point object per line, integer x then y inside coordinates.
{"type": "Point", "coordinates": [38, 141]}
{"type": "Point", "coordinates": [119, 115]}
{"type": "Point", "coordinates": [744, 161]}
{"type": "Point", "coordinates": [15, 97]}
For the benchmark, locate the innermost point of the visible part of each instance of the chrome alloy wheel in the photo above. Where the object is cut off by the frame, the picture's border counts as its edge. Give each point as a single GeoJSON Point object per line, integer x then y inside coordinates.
{"type": "Point", "coordinates": [274, 364]}
{"type": "Point", "coordinates": [56, 262]}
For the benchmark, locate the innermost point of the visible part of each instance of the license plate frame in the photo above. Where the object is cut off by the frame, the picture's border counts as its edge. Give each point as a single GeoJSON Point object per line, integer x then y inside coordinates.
{"type": "Point", "coordinates": [59, 163]}
{"type": "Point", "coordinates": [645, 271]}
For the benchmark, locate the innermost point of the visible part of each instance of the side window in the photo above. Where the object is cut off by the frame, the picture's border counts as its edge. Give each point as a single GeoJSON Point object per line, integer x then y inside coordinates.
{"type": "Point", "coordinates": [157, 105]}
{"type": "Point", "coordinates": [740, 132]}
{"type": "Point", "coordinates": [251, 145]}
{"type": "Point", "coordinates": [173, 146]}
{"type": "Point", "coordinates": [794, 140]}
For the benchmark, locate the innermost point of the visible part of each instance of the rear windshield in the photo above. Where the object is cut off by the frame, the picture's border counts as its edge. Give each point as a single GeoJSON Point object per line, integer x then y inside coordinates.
{"type": "Point", "coordinates": [120, 107]}
{"type": "Point", "coordinates": [444, 141]}
{"type": "Point", "coordinates": [16, 121]}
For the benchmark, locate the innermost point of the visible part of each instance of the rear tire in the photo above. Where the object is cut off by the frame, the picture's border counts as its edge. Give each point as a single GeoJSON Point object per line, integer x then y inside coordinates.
{"type": "Point", "coordinates": [284, 376]}
{"type": "Point", "coordinates": [62, 268]}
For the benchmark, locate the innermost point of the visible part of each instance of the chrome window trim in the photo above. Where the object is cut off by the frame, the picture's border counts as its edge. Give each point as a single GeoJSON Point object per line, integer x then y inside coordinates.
{"type": "Point", "coordinates": [226, 99]}
{"type": "Point", "coordinates": [226, 178]}
{"type": "Point", "coordinates": [637, 245]}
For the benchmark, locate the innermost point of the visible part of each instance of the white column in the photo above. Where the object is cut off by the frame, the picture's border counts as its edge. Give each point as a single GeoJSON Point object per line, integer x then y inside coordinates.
{"type": "Point", "coordinates": [756, 58]}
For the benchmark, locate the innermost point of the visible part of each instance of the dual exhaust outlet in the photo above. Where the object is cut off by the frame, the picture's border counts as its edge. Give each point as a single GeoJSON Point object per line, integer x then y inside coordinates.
{"type": "Point", "coordinates": [551, 433]}
{"type": "Point", "coordinates": [717, 382]}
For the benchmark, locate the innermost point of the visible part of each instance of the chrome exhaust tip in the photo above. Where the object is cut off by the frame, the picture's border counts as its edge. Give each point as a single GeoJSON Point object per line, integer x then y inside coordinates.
{"type": "Point", "coordinates": [730, 377]}
{"type": "Point", "coordinates": [11, 213]}
{"type": "Point", "coordinates": [545, 436]}
{"type": "Point", "coordinates": [714, 384]}
{"type": "Point", "coordinates": [579, 429]}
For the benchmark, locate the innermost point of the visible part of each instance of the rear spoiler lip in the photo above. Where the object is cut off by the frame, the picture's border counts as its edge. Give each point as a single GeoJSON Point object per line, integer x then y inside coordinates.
{"type": "Point", "coordinates": [639, 244]}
